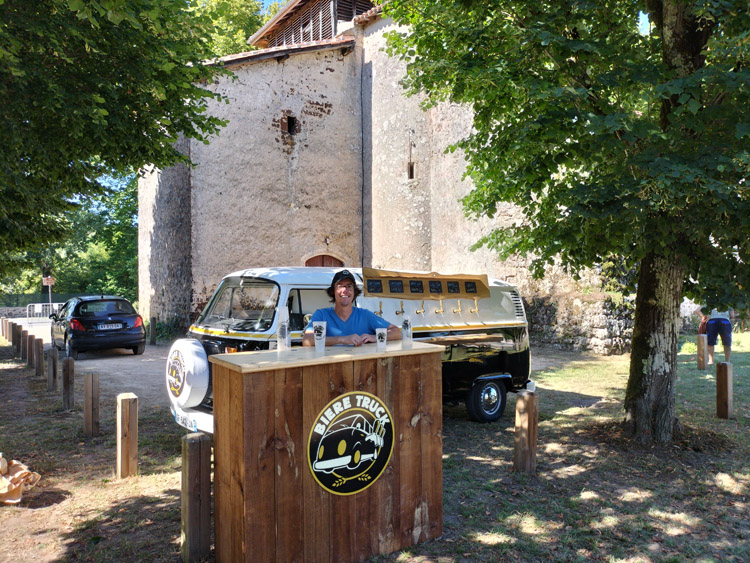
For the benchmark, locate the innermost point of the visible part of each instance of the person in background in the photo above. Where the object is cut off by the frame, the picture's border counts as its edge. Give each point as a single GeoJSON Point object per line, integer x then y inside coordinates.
{"type": "Point", "coordinates": [345, 323]}
{"type": "Point", "coordinates": [719, 325]}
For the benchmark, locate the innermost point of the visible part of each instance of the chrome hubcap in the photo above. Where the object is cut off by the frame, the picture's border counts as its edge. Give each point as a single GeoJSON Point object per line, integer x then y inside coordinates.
{"type": "Point", "coordinates": [490, 399]}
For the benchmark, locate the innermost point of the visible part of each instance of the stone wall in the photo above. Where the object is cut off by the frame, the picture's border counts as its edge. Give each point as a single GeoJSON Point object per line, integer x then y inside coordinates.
{"type": "Point", "coordinates": [263, 195]}
{"type": "Point", "coordinates": [592, 322]}
{"type": "Point", "coordinates": [13, 312]}
{"type": "Point", "coordinates": [164, 218]}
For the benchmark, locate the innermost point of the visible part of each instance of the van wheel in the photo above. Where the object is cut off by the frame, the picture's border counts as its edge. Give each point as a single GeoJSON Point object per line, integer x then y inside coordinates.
{"type": "Point", "coordinates": [486, 401]}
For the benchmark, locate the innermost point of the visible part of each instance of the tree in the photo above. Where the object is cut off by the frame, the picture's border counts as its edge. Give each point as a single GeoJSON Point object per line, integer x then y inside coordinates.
{"type": "Point", "coordinates": [86, 87]}
{"type": "Point", "coordinates": [236, 21]}
{"type": "Point", "coordinates": [101, 253]}
{"type": "Point", "coordinates": [614, 142]}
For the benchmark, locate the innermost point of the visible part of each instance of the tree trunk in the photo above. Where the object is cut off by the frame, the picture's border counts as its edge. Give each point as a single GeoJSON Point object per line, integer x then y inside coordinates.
{"type": "Point", "coordinates": [650, 396]}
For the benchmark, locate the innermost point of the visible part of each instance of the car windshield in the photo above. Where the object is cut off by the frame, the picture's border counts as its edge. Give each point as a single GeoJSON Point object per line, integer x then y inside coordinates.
{"type": "Point", "coordinates": [104, 307]}
{"type": "Point", "coordinates": [242, 304]}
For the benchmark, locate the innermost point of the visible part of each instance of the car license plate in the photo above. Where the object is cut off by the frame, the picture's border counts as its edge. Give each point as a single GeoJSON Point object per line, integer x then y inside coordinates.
{"type": "Point", "coordinates": [185, 421]}
{"type": "Point", "coordinates": [113, 326]}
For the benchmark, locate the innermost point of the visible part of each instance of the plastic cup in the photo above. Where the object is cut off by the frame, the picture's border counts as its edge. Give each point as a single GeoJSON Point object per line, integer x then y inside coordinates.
{"type": "Point", "coordinates": [381, 338]}
{"type": "Point", "coordinates": [319, 330]}
{"type": "Point", "coordinates": [406, 339]}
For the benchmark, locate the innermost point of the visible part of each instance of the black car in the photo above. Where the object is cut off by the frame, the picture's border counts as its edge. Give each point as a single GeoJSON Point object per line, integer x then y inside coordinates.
{"type": "Point", "coordinates": [96, 323]}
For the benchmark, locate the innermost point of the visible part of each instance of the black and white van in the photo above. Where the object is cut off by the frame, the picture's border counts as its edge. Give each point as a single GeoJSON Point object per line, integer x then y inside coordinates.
{"type": "Point", "coordinates": [481, 322]}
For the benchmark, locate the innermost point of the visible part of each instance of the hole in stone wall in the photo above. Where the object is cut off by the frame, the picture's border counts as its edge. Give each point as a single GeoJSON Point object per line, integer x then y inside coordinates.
{"type": "Point", "coordinates": [410, 171]}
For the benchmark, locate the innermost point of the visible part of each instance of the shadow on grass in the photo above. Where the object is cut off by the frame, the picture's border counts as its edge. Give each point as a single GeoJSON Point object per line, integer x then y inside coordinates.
{"type": "Point", "coordinates": [140, 528]}
{"type": "Point", "coordinates": [596, 495]}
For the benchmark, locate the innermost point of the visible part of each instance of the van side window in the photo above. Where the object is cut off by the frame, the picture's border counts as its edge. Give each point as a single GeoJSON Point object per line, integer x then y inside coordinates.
{"type": "Point", "coordinates": [305, 302]}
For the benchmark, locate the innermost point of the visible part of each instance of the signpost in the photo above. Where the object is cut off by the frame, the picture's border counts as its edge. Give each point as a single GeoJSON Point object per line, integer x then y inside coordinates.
{"type": "Point", "coordinates": [49, 281]}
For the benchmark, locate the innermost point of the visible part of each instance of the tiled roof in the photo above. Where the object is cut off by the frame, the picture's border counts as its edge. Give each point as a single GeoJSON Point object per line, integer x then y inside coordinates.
{"type": "Point", "coordinates": [369, 15]}
{"type": "Point", "coordinates": [280, 51]}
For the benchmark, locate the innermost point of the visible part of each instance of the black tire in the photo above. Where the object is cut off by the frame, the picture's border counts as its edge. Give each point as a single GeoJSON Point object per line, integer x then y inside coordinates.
{"type": "Point", "coordinates": [138, 350]}
{"type": "Point", "coordinates": [486, 401]}
{"type": "Point", "coordinates": [70, 352]}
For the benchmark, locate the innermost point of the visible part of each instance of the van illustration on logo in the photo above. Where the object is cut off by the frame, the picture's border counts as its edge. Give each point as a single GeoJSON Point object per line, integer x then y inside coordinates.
{"type": "Point", "coordinates": [350, 443]}
{"type": "Point", "coordinates": [175, 373]}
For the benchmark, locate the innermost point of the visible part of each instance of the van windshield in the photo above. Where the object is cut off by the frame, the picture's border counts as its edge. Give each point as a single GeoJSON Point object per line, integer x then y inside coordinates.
{"type": "Point", "coordinates": [242, 304]}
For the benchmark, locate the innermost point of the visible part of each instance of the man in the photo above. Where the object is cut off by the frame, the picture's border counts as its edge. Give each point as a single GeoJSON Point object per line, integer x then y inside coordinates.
{"type": "Point", "coordinates": [345, 323]}
{"type": "Point", "coordinates": [719, 324]}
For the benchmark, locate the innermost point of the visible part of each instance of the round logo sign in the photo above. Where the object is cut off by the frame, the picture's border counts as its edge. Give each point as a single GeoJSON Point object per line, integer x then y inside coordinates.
{"type": "Point", "coordinates": [350, 443]}
{"type": "Point", "coordinates": [175, 373]}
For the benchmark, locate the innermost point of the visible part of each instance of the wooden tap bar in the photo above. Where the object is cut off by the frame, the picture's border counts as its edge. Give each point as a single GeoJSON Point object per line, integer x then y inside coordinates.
{"type": "Point", "coordinates": [269, 505]}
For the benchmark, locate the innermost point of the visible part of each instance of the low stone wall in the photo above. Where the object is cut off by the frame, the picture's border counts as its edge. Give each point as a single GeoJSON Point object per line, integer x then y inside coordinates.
{"type": "Point", "coordinates": [591, 322]}
{"type": "Point", "coordinates": [13, 312]}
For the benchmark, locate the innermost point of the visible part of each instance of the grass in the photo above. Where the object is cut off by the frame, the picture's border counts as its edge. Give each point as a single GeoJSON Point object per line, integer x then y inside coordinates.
{"type": "Point", "coordinates": [595, 495]}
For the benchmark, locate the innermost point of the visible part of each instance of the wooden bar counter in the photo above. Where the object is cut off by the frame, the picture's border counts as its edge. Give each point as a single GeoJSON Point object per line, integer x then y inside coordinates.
{"type": "Point", "coordinates": [271, 503]}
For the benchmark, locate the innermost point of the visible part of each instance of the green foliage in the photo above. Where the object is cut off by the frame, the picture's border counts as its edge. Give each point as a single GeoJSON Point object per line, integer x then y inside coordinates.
{"type": "Point", "coordinates": [611, 141]}
{"type": "Point", "coordinates": [100, 256]}
{"type": "Point", "coordinates": [235, 21]}
{"type": "Point", "coordinates": [86, 87]}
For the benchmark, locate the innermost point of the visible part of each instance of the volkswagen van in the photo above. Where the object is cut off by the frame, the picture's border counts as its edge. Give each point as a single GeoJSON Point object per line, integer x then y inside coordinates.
{"type": "Point", "coordinates": [480, 321]}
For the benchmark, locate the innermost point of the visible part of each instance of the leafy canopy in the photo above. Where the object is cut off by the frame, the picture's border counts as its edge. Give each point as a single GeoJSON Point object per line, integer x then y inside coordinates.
{"type": "Point", "coordinates": [87, 87]}
{"type": "Point", "coordinates": [236, 21]}
{"type": "Point", "coordinates": [607, 149]}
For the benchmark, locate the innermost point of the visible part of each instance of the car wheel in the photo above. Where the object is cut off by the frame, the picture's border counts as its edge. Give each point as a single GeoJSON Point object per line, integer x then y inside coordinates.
{"type": "Point", "coordinates": [70, 352]}
{"type": "Point", "coordinates": [140, 349]}
{"type": "Point", "coordinates": [486, 401]}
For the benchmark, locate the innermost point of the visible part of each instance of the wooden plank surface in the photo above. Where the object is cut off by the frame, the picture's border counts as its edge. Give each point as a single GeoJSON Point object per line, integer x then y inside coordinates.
{"type": "Point", "coordinates": [290, 461]}
{"type": "Point", "coordinates": [258, 485]}
{"type": "Point", "coordinates": [299, 356]}
{"type": "Point", "coordinates": [316, 500]}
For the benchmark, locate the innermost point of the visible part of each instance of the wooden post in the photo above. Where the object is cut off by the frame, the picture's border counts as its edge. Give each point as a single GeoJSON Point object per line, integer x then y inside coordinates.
{"type": "Point", "coordinates": [91, 406]}
{"type": "Point", "coordinates": [68, 383]}
{"type": "Point", "coordinates": [30, 347]}
{"type": "Point", "coordinates": [524, 456]}
{"type": "Point", "coordinates": [5, 328]}
{"type": "Point", "coordinates": [196, 497]}
{"type": "Point", "coordinates": [14, 338]}
{"type": "Point", "coordinates": [724, 391]}
{"type": "Point", "coordinates": [24, 345]}
{"type": "Point", "coordinates": [127, 435]}
{"type": "Point", "coordinates": [39, 357]}
{"type": "Point", "coordinates": [702, 350]}
{"type": "Point", "coordinates": [152, 331]}
{"type": "Point", "coordinates": [52, 369]}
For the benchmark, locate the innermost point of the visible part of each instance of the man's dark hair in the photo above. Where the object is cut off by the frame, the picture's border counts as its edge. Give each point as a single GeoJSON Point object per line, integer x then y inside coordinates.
{"type": "Point", "coordinates": [343, 274]}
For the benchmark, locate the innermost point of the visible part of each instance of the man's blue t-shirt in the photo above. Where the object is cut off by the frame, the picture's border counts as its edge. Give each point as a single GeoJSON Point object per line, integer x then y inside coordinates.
{"type": "Point", "coordinates": [361, 321]}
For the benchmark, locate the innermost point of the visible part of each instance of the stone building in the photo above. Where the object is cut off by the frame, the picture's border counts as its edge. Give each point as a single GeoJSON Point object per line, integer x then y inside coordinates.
{"type": "Point", "coordinates": [324, 161]}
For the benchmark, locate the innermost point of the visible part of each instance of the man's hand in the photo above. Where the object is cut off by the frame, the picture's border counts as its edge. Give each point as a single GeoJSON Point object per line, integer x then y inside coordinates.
{"type": "Point", "coordinates": [356, 339]}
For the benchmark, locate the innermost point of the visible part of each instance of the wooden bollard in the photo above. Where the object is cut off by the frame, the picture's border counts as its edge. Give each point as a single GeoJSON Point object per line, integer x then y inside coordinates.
{"type": "Point", "coordinates": [24, 345]}
{"type": "Point", "coordinates": [5, 328]}
{"type": "Point", "coordinates": [39, 357]}
{"type": "Point", "coordinates": [14, 338]}
{"type": "Point", "coordinates": [152, 331]}
{"type": "Point", "coordinates": [91, 406]}
{"type": "Point", "coordinates": [196, 496]}
{"type": "Point", "coordinates": [127, 435]}
{"type": "Point", "coordinates": [52, 369]}
{"type": "Point", "coordinates": [524, 455]}
{"type": "Point", "coordinates": [68, 383]}
{"type": "Point", "coordinates": [724, 390]}
{"type": "Point", "coordinates": [30, 350]}
{"type": "Point", "coordinates": [702, 350]}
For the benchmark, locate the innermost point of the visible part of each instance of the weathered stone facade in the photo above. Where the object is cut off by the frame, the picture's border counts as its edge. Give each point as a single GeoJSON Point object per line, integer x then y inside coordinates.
{"type": "Point", "coordinates": [324, 154]}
